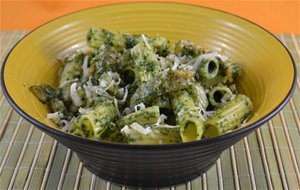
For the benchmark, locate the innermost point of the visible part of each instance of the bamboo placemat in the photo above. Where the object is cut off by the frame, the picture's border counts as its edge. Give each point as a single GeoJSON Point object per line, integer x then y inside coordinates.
{"type": "Point", "coordinates": [268, 158]}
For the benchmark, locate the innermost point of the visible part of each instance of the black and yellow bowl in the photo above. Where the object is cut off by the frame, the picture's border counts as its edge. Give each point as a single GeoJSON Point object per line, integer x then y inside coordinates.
{"type": "Point", "coordinates": [268, 78]}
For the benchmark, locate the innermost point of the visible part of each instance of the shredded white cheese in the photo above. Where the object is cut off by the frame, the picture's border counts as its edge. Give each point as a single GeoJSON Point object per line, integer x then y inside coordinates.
{"type": "Point", "coordinates": [168, 126]}
{"type": "Point", "coordinates": [175, 65]}
{"type": "Point", "coordinates": [164, 63]}
{"type": "Point", "coordinates": [88, 91]}
{"type": "Point", "coordinates": [226, 98]}
{"type": "Point", "coordinates": [103, 83]}
{"type": "Point", "coordinates": [74, 95]}
{"type": "Point", "coordinates": [161, 119]}
{"type": "Point", "coordinates": [124, 96]}
{"type": "Point", "coordinates": [68, 125]}
{"type": "Point", "coordinates": [181, 112]}
{"type": "Point", "coordinates": [139, 107]}
{"type": "Point", "coordinates": [56, 116]}
{"type": "Point", "coordinates": [209, 113]}
{"type": "Point", "coordinates": [117, 107]}
{"type": "Point", "coordinates": [140, 128]}
{"type": "Point", "coordinates": [125, 130]}
{"type": "Point", "coordinates": [164, 73]}
{"type": "Point", "coordinates": [121, 91]}
{"type": "Point", "coordinates": [84, 111]}
{"type": "Point", "coordinates": [85, 68]}
{"type": "Point", "coordinates": [145, 40]}
{"type": "Point", "coordinates": [100, 91]}
{"type": "Point", "coordinates": [115, 77]}
{"type": "Point", "coordinates": [67, 82]}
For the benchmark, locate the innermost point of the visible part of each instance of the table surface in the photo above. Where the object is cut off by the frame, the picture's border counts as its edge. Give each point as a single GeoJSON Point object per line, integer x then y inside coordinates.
{"type": "Point", "coordinates": [268, 158]}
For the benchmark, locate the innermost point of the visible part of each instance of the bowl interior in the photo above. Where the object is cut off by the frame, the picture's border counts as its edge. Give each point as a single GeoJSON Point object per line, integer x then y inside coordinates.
{"type": "Point", "coordinates": [267, 69]}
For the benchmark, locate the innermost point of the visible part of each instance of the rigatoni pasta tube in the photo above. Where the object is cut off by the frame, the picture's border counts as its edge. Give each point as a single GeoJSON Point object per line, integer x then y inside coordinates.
{"type": "Point", "coordinates": [197, 92]}
{"type": "Point", "coordinates": [95, 121]}
{"type": "Point", "coordinates": [72, 68]}
{"type": "Point", "coordinates": [219, 95]}
{"type": "Point", "coordinates": [188, 117]}
{"type": "Point", "coordinates": [161, 85]}
{"type": "Point", "coordinates": [232, 70]}
{"type": "Point", "coordinates": [161, 134]}
{"type": "Point", "coordinates": [145, 63]}
{"type": "Point", "coordinates": [97, 37]}
{"type": "Point", "coordinates": [208, 68]}
{"type": "Point", "coordinates": [228, 117]}
{"type": "Point", "coordinates": [146, 116]}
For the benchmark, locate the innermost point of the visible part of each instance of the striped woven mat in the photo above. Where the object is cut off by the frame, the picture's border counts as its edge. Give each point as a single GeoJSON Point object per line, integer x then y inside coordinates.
{"type": "Point", "coordinates": [268, 158]}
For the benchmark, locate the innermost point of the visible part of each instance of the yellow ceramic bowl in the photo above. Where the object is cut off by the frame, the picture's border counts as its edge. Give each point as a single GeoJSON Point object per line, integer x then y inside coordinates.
{"type": "Point", "coordinates": [268, 77]}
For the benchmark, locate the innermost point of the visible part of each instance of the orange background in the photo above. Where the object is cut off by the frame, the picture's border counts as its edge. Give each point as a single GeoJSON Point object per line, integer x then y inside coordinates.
{"type": "Point", "coordinates": [274, 15]}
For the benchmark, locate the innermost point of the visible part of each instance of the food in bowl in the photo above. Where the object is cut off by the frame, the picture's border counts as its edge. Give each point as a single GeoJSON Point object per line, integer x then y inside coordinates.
{"type": "Point", "coordinates": [264, 60]}
{"type": "Point", "coordinates": [139, 89]}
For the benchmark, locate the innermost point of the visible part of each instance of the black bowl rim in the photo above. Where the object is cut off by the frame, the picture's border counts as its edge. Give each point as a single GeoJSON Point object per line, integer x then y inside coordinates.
{"type": "Point", "coordinates": [71, 137]}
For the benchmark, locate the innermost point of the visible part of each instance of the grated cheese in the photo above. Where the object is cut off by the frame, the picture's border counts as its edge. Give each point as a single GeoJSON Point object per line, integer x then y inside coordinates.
{"type": "Point", "coordinates": [115, 77]}
{"type": "Point", "coordinates": [226, 98]}
{"type": "Point", "coordinates": [139, 107]}
{"type": "Point", "coordinates": [103, 83]}
{"type": "Point", "coordinates": [168, 126]}
{"type": "Point", "coordinates": [140, 128]}
{"type": "Point", "coordinates": [88, 91]}
{"type": "Point", "coordinates": [74, 95]}
{"type": "Point", "coordinates": [175, 65]}
{"type": "Point", "coordinates": [84, 111]}
{"type": "Point", "coordinates": [56, 116]}
{"type": "Point", "coordinates": [125, 129]}
{"type": "Point", "coordinates": [67, 82]}
{"type": "Point", "coordinates": [85, 68]}
{"type": "Point", "coordinates": [68, 125]}
{"type": "Point", "coordinates": [145, 40]}
{"type": "Point", "coordinates": [117, 107]}
{"type": "Point", "coordinates": [124, 96]}
{"type": "Point", "coordinates": [161, 119]}
{"type": "Point", "coordinates": [181, 112]}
